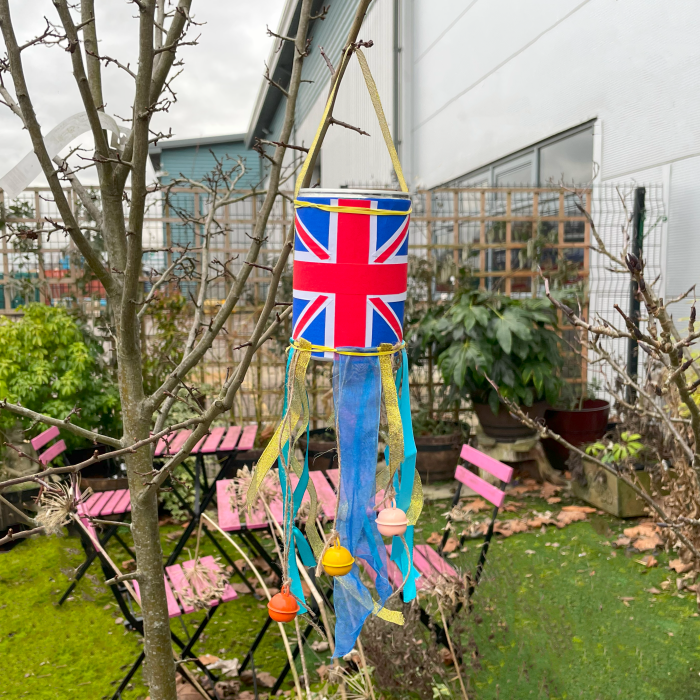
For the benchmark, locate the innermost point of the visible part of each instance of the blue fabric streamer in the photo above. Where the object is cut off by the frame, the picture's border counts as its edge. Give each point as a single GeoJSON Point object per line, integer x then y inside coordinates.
{"type": "Point", "coordinates": [403, 481]}
{"type": "Point", "coordinates": [357, 396]}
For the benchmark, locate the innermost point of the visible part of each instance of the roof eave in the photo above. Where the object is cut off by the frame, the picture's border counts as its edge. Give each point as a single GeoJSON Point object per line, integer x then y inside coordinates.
{"type": "Point", "coordinates": [267, 101]}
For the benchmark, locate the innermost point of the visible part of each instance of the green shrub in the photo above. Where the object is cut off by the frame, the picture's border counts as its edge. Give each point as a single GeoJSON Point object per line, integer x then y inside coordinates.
{"type": "Point", "coordinates": [49, 364]}
{"type": "Point", "coordinates": [512, 341]}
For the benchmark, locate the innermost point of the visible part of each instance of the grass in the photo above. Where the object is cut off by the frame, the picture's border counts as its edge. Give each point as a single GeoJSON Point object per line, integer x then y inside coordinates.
{"type": "Point", "coordinates": [549, 622]}
{"type": "Point", "coordinates": [553, 622]}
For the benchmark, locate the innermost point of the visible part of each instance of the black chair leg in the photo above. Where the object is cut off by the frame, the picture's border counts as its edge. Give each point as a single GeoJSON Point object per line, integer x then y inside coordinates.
{"type": "Point", "coordinates": [256, 643]}
{"type": "Point", "coordinates": [91, 555]}
{"type": "Point", "coordinates": [118, 693]}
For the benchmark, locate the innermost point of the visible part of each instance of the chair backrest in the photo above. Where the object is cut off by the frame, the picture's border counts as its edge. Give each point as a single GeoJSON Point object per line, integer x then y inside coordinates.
{"type": "Point", "coordinates": [43, 439]}
{"type": "Point", "coordinates": [501, 471]}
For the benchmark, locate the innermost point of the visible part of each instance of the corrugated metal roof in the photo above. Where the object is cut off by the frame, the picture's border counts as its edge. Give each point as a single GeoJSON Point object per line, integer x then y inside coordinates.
{"type": "Point", "coordinates": [199, 141]}
{"type": "Point", "coordinates": [329, 33]}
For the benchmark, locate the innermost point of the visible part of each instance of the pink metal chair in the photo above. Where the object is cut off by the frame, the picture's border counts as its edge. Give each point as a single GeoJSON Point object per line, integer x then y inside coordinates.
{"type": "Point", "coordinates": [494, 494]}
{"type": "Point", "coordinates": [178, 594]}
{"type": "Point", "coordinates": [59, 447]}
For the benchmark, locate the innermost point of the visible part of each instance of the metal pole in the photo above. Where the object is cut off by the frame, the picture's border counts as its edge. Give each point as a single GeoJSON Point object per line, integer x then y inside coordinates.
{"type": "Point", "coordinates": [636, 248]}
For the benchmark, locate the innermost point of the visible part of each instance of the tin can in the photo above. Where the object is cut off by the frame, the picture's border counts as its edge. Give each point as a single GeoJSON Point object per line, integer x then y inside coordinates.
{"type": "Point", "coordinates": [350, 268]}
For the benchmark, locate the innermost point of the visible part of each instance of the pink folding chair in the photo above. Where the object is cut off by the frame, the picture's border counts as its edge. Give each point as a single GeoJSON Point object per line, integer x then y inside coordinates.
{"type": "Point", "coordinates": [59, 447]}
{"type": "Point", "coordinates": [494, 494]}
{"type": "Point", "coordinates": [226, 443]}
{"type": "Point", "coordinates": [178, 595]}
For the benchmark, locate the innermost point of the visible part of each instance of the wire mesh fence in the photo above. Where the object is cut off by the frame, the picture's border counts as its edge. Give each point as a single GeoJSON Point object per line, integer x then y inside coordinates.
{"type": "Point", "coordinates": [502, 236]}
{"type": "Point", "coordinates": [613, 211]}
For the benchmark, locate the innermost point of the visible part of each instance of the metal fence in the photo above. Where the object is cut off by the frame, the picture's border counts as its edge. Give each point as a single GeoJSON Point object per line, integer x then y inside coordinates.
{"type": "Point", "coordinates": [500, 235]}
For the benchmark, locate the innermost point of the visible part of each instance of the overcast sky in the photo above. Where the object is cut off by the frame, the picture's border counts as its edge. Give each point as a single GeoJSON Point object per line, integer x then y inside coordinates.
{"type": "Point", "coordinates": [215, 93]}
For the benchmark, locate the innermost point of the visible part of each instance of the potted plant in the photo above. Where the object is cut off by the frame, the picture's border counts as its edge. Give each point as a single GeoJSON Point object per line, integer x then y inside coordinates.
{"type": "Point", "coordinates": [510, 341]}
{"type": "Point", "coordinates": [438, 444]}
{"type": "Point", "coordinates": [579, 418]}
{"type": "Point", "coordinates": [604, 489]}
{"type": "Point", "coordinates": [323, 450]}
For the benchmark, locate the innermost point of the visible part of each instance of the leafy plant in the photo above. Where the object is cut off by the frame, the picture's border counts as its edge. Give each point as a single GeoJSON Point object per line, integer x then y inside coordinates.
{"type": "Point", "coordinates": [512, 341]}
{"type": "Point", "coordinates": [615, 452]}
{"type": "Point", "coordinates": [49, 363]}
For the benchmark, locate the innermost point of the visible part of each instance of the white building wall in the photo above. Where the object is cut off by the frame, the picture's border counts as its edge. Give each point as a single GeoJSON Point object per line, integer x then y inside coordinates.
{"type": "Point", "coordinates": [348, 158]}
{"type": "Point", "coordinates": [493, 77]}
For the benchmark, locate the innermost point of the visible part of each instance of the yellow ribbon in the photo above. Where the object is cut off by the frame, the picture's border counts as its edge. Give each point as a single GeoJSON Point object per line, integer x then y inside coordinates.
{"type": "Point", "coordinates": [376, 103]}
{"type": "Point", "coordinates": [351, 210]}
{"type": "Point", "coordinates": [394, 616]}
{"type": "Point", "coordinates": [371, 353]}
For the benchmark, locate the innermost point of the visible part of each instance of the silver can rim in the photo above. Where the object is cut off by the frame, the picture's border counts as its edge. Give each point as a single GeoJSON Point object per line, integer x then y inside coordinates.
{"type": "Point", "coordinates": [352, 194]}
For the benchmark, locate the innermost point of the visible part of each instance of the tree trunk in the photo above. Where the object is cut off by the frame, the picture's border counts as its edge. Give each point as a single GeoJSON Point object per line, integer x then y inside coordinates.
{"type": "Point", "coordinates": [159, 666]}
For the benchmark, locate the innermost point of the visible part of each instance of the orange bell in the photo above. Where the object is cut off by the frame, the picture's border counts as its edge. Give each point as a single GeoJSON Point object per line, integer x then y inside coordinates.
{"type": "Point", "coordinates": [337, 561]}
{"type": "Point", "coordinates": [283, 606]}
{"type": "Point", "coordinates": [392, 521]}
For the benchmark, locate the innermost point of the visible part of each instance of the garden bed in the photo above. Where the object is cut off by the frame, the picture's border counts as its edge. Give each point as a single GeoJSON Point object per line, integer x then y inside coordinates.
{"type": "Point", "coordinates": [561, 613]}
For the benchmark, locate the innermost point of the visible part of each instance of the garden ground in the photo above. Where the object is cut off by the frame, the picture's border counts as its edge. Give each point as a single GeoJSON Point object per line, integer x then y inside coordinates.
{"type": "Point", "coordinates": [559, 614]}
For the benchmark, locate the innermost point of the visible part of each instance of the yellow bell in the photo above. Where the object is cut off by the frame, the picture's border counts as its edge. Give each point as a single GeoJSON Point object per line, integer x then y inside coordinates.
{"type": "Point", "coordinates": [337, 561]}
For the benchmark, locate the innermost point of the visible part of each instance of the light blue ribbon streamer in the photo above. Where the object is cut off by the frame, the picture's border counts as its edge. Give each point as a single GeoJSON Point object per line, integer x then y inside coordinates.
{"type": "Point", "coordinates": [404, 485]}
{"type": "Point", "coordinates": [307, 557]}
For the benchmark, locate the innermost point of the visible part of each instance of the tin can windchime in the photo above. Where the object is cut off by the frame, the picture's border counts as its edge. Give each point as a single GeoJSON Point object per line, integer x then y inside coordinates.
{"type": "Point", "coordinates": [349, 292]}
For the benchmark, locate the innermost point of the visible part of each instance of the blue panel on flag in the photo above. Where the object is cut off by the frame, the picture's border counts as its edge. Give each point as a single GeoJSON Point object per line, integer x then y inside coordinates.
{"type": "Point", "coordinates": [397, 308]}
{"type": "Point", "coordinates": [298, 245]}
{"type": "Point", "coordinates": [382, 332]}
{"type": "Point", "coordinates": [298, 306]}
{"type": "Point", "coordinates": [315, 221]}
{"type": "Point", "coordinates": [387, 226]}
{"type": "Point", "coordinates": [315, 331]}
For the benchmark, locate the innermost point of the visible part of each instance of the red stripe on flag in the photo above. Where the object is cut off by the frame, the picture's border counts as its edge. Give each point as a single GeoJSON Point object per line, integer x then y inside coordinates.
{"type": "Point", "coordinates": [388, 315]}
{"type": "Point", "coordinates": [309, 242]}
{"type": "Point", "coordinates": [395, 246]}
{"type": "Point", "coordinates": [310, 310]}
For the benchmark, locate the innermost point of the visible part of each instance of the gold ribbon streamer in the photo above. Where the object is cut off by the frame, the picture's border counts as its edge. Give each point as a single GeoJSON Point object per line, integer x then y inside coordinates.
{"type": "Point", "coordinates": [297, 409]}
{"type": "Point", "coordinates": [393, 415]}
{"type": "Point", "coordinates": [394, 616]}
{"type": "Point", "coordinates": [416, 506]}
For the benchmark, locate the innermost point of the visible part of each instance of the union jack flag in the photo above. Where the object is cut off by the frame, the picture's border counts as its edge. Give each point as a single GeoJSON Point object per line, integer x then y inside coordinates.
{"type": "Point", "coordinates": [350, 273]}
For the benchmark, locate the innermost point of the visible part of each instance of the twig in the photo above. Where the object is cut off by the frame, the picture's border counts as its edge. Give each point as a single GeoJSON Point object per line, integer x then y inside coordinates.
{"type": "Point", "coordinates": [452, 650]}
{"type": "Point", "coordinates": [333, 120]}
{"type": "Point", "coordinates": [12, 535]}
{"type": "Point", "coordinates": [22, 516]}
{"type": "Point", "coordinates": [123, 577]}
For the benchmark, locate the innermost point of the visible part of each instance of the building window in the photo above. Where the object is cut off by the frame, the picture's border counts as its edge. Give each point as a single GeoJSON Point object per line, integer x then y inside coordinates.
{"type": "Point", "coordinates": [567, 156]}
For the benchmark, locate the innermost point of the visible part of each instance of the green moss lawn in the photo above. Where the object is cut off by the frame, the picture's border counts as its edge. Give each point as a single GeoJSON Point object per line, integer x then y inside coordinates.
{"type": "Point", "coordinates": [569, 621]}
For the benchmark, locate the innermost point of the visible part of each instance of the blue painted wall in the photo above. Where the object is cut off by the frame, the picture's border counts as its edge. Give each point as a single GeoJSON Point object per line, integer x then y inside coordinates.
{"type": "Point", "coordinates": [195, 161]}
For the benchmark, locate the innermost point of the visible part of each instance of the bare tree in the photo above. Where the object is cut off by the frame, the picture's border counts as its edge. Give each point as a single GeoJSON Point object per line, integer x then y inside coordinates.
{"type": "Point", "coordinates": [119, 219]}
{"type": "Point", "coordinates": [661, 403]}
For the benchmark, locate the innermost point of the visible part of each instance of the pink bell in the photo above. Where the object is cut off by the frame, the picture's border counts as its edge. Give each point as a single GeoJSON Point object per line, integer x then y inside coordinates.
{"type": "Point", "coordinates": [392, 521]}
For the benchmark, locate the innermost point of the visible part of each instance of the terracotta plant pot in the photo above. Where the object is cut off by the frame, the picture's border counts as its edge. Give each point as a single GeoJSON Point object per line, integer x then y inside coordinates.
{"type": "Point", "coordinates": [438, 456]}
{"type": "Point", "coordinates": [577, 426]}
{"type": "Point", "coordinates": [504, 427]}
